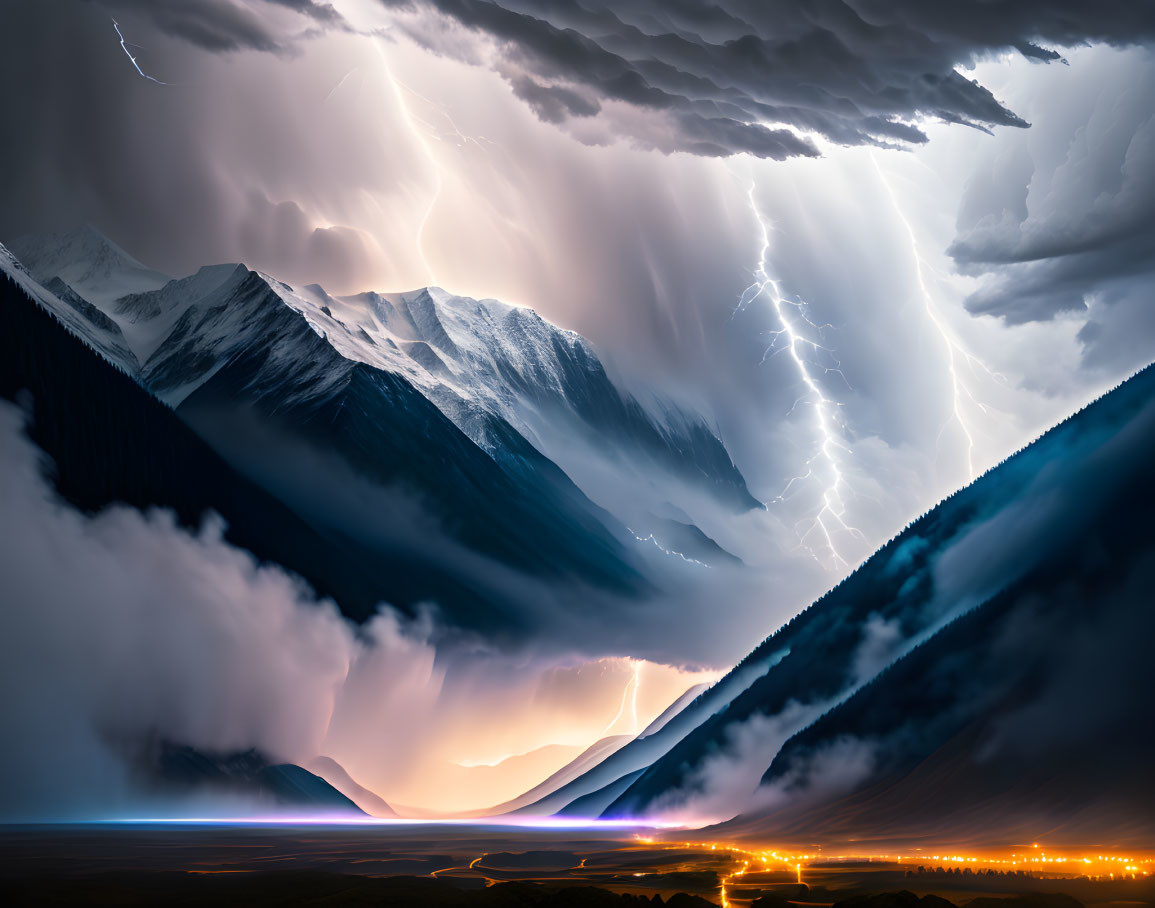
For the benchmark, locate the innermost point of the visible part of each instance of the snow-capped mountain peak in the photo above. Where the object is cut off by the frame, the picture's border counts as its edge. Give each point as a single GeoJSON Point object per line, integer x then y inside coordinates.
{"type": "Point", "coordinates": [89, 262]}
{"type": "Point", "coordinates": [77, 314]}
{"type": "Point", "coordinates": [496, 371]}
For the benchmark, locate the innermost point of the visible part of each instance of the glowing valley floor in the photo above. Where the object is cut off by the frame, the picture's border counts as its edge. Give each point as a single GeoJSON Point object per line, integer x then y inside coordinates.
{"type": "Point", "coordinates": [450, 865]}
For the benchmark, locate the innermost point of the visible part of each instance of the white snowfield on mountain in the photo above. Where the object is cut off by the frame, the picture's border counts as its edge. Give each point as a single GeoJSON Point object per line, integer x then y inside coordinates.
{"type": "Point", "coordinates": [473, 359]}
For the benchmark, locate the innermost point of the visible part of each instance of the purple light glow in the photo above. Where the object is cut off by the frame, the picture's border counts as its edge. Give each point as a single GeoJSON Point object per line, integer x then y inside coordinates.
{"type": "Point", "coordinates": [352, 820]}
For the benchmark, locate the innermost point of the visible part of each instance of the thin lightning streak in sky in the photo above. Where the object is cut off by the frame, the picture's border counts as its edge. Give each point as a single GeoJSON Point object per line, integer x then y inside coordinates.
{"type": "Point", "coordinates": [954, 350]}
{"type": "Point", "coordinates": [461, 140]}
{"type": "Point", "coordinates": [455, 133]}
{"type": "Point", "coordinates": [337, 87]}
{"type": "Point", "coordinates": [423, 143]}
{"type": "Point", "coordinates": [665, 551]}
{"type": "Point", "coordinates": [630, 688]}
{"type": "Point", "coordinates": [634, 699]}
{"type": "Point", "coordinates": [124, 45]}
{"type": "Point", "coordinates": [421, 130]}
{"type": "Point", "coordinates": [824, 466]}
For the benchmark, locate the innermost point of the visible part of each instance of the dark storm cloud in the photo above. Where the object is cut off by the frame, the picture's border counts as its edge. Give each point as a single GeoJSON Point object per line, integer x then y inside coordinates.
{"type": "Point", "coordinates": [721, 136]}
{"type": "Point", "coordinates": [163, 168]}
{"type": "Point", "coordinates": [315, 9]}
{"type": "Point", "coordinates": [1069, 227]}
{"type": "Point", "coordinates": [1034, 52]}
{"type": "Point", "coordinates": [216, 25]}
{"type": "Point", "coordinates": [228, 25]}
{"type": "Point", "coordinates": [553, 104]}
{"type": "Point", "coordinates": [853, 71]}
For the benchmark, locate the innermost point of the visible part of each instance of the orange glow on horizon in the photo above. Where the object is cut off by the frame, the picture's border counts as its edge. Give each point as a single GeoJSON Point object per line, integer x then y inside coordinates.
{"type": "Point", "coordinates": [481, 758]}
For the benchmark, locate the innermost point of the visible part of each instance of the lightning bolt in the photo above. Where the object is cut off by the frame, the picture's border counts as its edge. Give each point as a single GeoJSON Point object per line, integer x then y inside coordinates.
{"type": "Point", "coordinates": [956, 353]}
{"type": "Point", "coordinates": [634, 697]}
{"type": "Point", "coordinates": [630, 697]}
{"type": "Point", "coordinates": [453, 133]}
{"type": "Point", "coordinates": [337, 87]}
{"type": "Point", "coordinates": [419, 136]}
{"type": "Point", "coordinates": [124, 45]}
{"type": "Point", "coordinates": [665, 551]}
{"type": "Point", "coordinates": [421, 130]}
{"type": "Point", "coordinates": [795, 336]}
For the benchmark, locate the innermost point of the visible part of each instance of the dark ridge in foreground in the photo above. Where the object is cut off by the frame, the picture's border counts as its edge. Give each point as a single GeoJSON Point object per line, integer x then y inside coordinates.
{"type": "Point", "coordinates": [978, 673]}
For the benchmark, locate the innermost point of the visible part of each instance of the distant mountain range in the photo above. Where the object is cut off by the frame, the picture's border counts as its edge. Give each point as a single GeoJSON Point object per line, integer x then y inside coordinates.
{"type": "Point", "coordinates": [419, 434]}
{"type": "Point", "coordinates": [250, 775]}
{"type": "Point", "coordinates": [982, 678]}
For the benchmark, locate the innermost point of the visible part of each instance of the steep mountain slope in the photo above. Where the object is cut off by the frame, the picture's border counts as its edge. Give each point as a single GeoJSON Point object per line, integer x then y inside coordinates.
{"type": "Point", "coordinates": [110, 441]}
{"type": "Point", "coordinates": [258, 379]}
{"type": "Point", "coordinates": [992, 610]}
{"type": "Point", "coordinates": [355, 452]}
{"type": "Point", "coordinates": [599, 784]}
{"type": "Point", "coordinates": [336, 776]}
{"type": "Point", "coordinates": [534, 797]}
{"type": "Point", "coordinates": [524, 391]}
{"type": "Point", "coordinates": [546, 382]}
{"type": "Point", "coordinates": [501, 375]}
{"type": "Point", "coordinates": [116, 343]}
{"type": "Point", "coordinates": [1022, 719]}
{"type": "Point", "coordinates": [80, 317]}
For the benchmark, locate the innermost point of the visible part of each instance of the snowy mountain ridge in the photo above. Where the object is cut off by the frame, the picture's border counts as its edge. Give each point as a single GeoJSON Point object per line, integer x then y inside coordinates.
{"type": "Point", "coordinates": [89, 262]}
{"type": "Point", "coordinates": [488, 366]}
{"type": "Point", "coordinates": [79, 316]}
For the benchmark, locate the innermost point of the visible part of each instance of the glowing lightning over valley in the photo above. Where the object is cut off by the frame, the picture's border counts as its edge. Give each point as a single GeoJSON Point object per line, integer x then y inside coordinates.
{"type": "Point", "coordinates": [124, 45]}
{"type": "Point", "coordinates": [421, 131]}
{"type": "Point", "coordinates": [630, 696]}
{"type": "Point", "coordinates": [955, 352]}
{"type": "Point", "coordinates": [818, 533]}
{"type": "Point", "coordinates": [427, 153]}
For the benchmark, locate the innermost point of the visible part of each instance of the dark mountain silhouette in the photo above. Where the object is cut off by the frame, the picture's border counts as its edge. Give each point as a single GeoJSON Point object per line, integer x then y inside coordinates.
{"type": "Point", "coordinates": [978, 676]}
{"type": "Point", "coordinates": [178, 768]}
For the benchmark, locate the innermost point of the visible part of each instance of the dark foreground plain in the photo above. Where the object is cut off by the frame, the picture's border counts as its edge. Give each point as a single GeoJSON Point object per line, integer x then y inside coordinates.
{"type": "Point", "coordinates": [487, 867]}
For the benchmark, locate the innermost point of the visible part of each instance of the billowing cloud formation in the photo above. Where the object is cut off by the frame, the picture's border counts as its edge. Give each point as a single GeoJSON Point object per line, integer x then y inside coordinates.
{"type": "Point", "coordinates": [123, 628]}
{"type": "Point", "coordinates": [186, 638]}
{"type": "Point", "coordinates": [728, 77]}
{"type": "Point", "coordinates": [1068, 224]}
{"type": "Point", "coordinates": [317, 9]}
{"type": "Point", "coordinates": [707, 77]}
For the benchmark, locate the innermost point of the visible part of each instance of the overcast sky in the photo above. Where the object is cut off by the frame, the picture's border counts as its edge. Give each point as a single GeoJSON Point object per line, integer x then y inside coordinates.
{"type": "Point", "coordinates": [614, 167]}
{"type": "Point", "coordinates": [949, 207]}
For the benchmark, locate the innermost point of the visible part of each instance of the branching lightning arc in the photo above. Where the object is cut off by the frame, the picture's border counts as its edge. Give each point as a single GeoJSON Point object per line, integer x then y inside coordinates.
{"type": "Point", "coordinates": [800, 338]}
{"type": "Point", "coordinates": [956, 354]}
{"type": "Point", "coordinates": [421, 130]}
{"type": "Point", "coordinates": [427, 152]}
{"type": "Point", "coordinates": [124, 45]}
